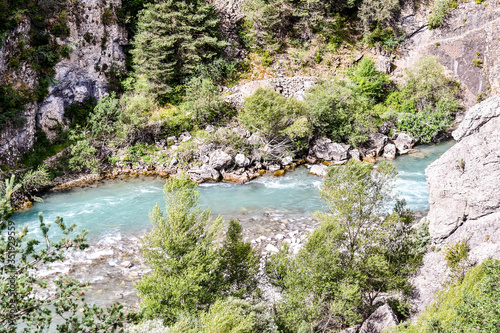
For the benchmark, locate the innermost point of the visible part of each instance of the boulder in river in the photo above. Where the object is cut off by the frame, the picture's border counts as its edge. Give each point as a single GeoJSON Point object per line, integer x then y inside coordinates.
{"type": "Point", "coordinates": [319, 170]}
{"type": "Point", "coordinates": [204, 173]}
{"type": "Point", "coordinates": [390, 151]}
{"type": "Point", "coordinates": [220, 160]}
{"type": "Point", "coordinates": [327, 150]}
{"type": "Point", "coordinates": [375, 144]}
{"type": "Point", "coordinates": [404, 143]}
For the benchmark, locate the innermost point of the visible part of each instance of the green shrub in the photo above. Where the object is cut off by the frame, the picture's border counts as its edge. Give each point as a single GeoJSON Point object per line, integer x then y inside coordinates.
{"type": "Point", "coordinates": [469, 305]}
{"type": "Point", "coordinates": [11, 106]}
{"type": "Point", "coordinates": [269, 113]}
{"type": "Point", "coordinates": [78, 113]}
{"type": "Point", "coordinates": [440, 9]}
{"type": "Point", "coordinates": [83, 157]}
{"type": "Point", "coordinates": [339, 112]}
{"type": "Point", "coordinates": [203, 101]}
{"type": "Point", "coordinates": [368, 81]}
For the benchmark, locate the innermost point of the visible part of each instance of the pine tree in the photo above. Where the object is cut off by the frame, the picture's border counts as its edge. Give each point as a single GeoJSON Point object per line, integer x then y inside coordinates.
{"type": "Point", "coordinates": [182, 253]}
{"type": "Point", "coordinates": [174, 37]}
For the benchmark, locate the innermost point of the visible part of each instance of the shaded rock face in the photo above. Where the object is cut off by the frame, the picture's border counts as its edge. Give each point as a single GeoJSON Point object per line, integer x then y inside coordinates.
{"type": "Point", "coordinates": [469, 29]}
{"type": "Point", "coordinates": [381, 319]}
{"type": "Point", "coordinates": [96, 49]}
{"type": "Point", "coordinates": [463, 196]}
{"type": "Point", "coordinates": [230, 12]}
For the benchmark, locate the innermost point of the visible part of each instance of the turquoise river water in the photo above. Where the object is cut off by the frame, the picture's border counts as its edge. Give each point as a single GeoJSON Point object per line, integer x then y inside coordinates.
{"type": "Point", "coordinates": [120, 208]}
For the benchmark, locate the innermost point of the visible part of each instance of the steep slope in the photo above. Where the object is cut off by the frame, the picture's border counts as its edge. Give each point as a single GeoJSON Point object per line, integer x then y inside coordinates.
{"type": "Point", "coordinates": [95, 39]}
{"type": "Point", "coordinates": [463, 195]}
{"type": "Point", "coordinates": [468, 45]}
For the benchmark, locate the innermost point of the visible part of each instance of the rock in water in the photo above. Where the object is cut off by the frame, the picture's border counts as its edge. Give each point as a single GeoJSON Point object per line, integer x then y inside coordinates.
{"type": "Point", "coordinates": [404, 143]}
{"type": "Point", "coordinates": [327, 150]}
{"type": "Point", "coordinates": [319, 170]}
{"type": "Point", "coordinates": [390, 151]}
{"type": "Point", "coordinates": [220, 160]}
{"type": "Point", "coordinates": [463, 196]}
{"type": "Point", "coordinates": [382, 318]}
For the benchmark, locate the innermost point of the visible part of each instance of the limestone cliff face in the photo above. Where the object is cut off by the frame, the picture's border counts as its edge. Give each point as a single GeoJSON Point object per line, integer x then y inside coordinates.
{"type": "Point", "coordinates": [96, 49]}
{"type": "Point", "coordinates": [464, 195]}
{"type": "Point", "coordinates": [468, 45]}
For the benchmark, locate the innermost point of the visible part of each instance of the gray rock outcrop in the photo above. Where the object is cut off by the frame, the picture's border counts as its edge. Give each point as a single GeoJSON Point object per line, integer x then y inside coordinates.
{"type": "Point", "coordinates": [319, 170]}
{"type": "Point", "coordinates": [470, 32]}
{"type": "Point", "coordinates": [96, 50]}
{"type": "Point", "coordinates": [327, 150]}
{"type": "Point", "coordinates": [463, 196]}
{"type": "Point", "coordinates": [381, 319]}
{"type": "Point", "coordinates": [220, 160]}
{"type": "Point", "coordinates": [404, 143]}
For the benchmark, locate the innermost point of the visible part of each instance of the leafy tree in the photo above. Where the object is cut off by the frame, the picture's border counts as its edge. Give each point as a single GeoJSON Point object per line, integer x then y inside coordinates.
{"type": "Point", "coordinates": [173, 38]}
{"type": "Point", "coordinates": [103, 120]}
{"type": "Point", "coordinates": [359, 251]}
{"type": "Point", "coordinates": [368, 81]}
{"type": "Point", "coordinates": [426, 102]}
{"type": "Point", "coordinates": [24, 301]}
{"type": "Point", "coordinates": [182, 253]}
{"type": "Point", "coordinates": [203, 101]}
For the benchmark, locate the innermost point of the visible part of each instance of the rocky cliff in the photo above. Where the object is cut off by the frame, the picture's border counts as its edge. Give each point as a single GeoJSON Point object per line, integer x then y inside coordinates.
{"type": "Point", "coordinates": [95, 39]}
{"type": "Point", "coordinates": [463, 196]}
{"type": "Point", "coordinates": [468, 45]}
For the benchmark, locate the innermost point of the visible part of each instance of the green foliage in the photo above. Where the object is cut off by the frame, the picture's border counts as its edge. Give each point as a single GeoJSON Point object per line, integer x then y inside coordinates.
{"type": "Point", "coordinates": [79, 112]}
{"type": "Point", "coordinates": [439, 12]}
{"type": "Point", "coordinates": [103, 120]}
{"type": "Point", "coordinates": [239, 263]}
{"type": "Point", "coordinates": [174, 38]}
{"type": "Point", "coordinates": [377, 14]}
{"type": "Point", "coordinates": [182, 253]}
{"type": "Point", "coordinates": [24, 300]}
{"type": "Point", "coordinates": [368, 81]}
{"type": "Point", "coordinates": [426, 102]}
{"type": "Point", "coordinates": [203, 101]}
{"type": "Point", "coordinates": [36, 179]}
{"type": "Point", "coordinates": [44, 148]}
{"type": "Point", "coordinates": [83, 156]}
{"type": "Point", "coordinates": [269, 113]}
{"type": "Point", "coordinates": [339, 112]}
{"type": "Point", "coordinates": [468, 305]}
{"type": "Point", "coordinates": [456, 256]}
{"type": "Point", "coordinates": [11, 106]}
{"type": "Point", "coordinates": [358, 252]}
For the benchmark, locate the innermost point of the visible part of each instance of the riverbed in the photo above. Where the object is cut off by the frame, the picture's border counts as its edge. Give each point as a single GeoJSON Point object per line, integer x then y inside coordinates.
{"type": "Point", "coordinates": [270, 209]}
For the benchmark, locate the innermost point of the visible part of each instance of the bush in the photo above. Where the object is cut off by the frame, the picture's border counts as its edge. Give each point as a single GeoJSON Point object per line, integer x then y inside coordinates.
{"type": "Point", "coordinates": [426, 102]}
{"type": "Point", "coordinates": [339, 112]}
{"type": "Point", "coordinates": [440, 9]}
{"type": "Point", "coordinates": [103, 120]}
{"type": "Point", "coordinates": [469, 305]}
{"type": "Point", "coordinates": [269, 113]}
{"type": "Point", "coordinates": [203, 101]}
{"type": "Point", "coordinates": [83, 156]}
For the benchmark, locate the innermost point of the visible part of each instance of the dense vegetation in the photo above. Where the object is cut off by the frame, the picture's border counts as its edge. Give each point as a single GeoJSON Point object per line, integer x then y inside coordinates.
{"type": "Point", "coordinates": [204, 279]}
{"type": "Point", "coordinates": [468, 305]}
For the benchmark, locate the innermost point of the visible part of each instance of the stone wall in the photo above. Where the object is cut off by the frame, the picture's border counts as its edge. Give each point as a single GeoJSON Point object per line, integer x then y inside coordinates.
{"type": "Point", "coordinates": [463, 196]}
{"type": "Point", "coordinates": [287, 86]}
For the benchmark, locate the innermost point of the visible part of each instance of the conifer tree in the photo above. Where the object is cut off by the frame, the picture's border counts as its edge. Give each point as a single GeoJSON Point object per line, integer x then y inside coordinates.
{"type": "Point", "coordinates": [174, 37]}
